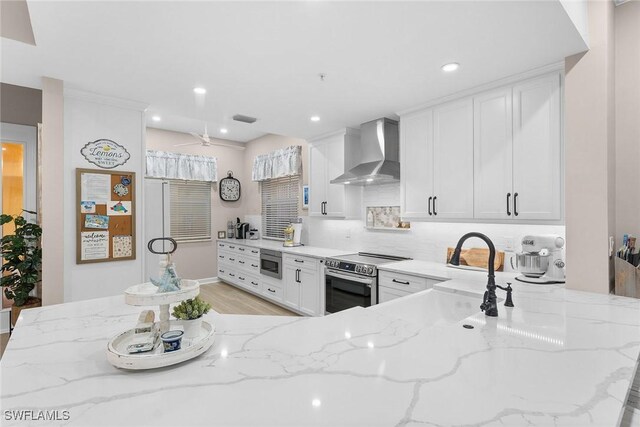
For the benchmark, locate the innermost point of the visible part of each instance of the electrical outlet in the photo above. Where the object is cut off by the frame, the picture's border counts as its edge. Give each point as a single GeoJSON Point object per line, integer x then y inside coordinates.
{"type": "Point", "coordinates": [508, 243]}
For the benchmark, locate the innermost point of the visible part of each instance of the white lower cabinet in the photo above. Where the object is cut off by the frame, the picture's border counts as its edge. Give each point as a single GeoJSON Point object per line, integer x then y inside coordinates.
{"type": "Point", "coordinates": [393, 285]}
{"type": "Point", "coordinates": [389, 294]}
{"type": "Point", "coordinates": [302, 284]}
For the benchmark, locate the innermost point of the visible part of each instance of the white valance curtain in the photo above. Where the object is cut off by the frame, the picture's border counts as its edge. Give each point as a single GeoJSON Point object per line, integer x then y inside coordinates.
{"type": "Point", "coordinates": [190, 167]}
{"type": "Point", "coordinates": [278, 164]}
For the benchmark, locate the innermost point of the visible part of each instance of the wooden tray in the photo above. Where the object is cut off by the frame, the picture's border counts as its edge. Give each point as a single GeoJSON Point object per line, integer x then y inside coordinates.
{"type": "Point", "coordinates": [119, 357]}
{"type": "Point", "coordinates": [478, 257]}
{"type": "Point", "coordinates": [147, 293]}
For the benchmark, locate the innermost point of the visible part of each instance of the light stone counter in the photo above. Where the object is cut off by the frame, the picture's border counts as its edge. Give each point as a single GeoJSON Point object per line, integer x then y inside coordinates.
{"type": "Point", "coordinates": [275, 245]}
{"type": "Point", "coordinates": [559, 357]}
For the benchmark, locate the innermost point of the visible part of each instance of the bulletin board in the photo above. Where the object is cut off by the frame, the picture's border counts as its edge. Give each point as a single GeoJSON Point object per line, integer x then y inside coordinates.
{"type": "Point", "coordinates": [106, 217]}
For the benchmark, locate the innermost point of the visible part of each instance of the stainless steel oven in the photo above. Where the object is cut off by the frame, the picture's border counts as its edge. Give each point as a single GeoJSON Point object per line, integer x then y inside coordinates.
{"type": "Point", "coordinates": [271, 263]}
{"type": "Point", "coordinates": [346, 290]}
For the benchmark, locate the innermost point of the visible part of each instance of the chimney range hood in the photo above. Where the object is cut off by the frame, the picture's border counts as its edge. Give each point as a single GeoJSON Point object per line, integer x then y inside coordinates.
{"type": "Point", "coordinates": [378, 158]}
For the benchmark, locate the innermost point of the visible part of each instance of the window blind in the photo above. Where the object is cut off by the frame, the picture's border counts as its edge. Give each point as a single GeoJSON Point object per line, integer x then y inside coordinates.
{"type": "Point", "coordinates": [279, 204]}
{"type": "Point", "coordinates": [190, 210]}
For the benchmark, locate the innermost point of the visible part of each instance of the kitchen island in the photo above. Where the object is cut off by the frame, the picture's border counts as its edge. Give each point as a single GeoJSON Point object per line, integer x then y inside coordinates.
{"type": "Point", "coordinates": [560, 357]}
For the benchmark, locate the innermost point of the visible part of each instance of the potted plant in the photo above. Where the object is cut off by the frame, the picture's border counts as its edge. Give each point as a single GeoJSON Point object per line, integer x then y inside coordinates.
{"type": "Point", "coordinates": [190, 312]}
{"type": "Point", "coordinates": [22, 262]}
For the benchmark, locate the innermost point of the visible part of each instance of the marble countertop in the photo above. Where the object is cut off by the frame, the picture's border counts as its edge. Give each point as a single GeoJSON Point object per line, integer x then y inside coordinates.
{"type": "Point", "coordinates": [311, 251]}
{"type": "Point", "coordinates": [560, 357]}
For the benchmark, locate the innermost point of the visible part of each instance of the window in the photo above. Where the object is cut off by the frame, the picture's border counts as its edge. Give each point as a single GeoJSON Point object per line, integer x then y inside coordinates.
{"type": "Point", "coordinates": [279, 205]}
{"type": "Point", "coordinates": [190, 210]}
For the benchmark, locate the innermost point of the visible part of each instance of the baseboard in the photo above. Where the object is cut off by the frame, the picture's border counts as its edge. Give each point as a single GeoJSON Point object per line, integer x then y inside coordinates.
{"type": "Point", "coordinates": [4, 320]}
{"type": "Point", "coordinates": [209, 280]}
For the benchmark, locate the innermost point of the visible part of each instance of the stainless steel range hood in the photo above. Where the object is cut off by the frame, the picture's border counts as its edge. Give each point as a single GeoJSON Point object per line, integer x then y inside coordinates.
{"type": "Point", "coordinates": [379, 155]}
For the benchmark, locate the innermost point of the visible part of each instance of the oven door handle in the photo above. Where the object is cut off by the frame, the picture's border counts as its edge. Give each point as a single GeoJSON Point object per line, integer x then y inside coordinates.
{"type": "Point", "coordinates": [349, 277]}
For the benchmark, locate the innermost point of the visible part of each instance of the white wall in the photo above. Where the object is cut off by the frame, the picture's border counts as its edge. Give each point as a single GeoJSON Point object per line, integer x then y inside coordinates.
{"type": "Point", "coordinates": [89, 117]}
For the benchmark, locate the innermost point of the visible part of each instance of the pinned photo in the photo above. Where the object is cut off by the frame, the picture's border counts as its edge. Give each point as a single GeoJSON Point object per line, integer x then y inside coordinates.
{"type": "Point", "coordinates": [96, 221]}
{"type": "Point", "coordinates": [87, 206]}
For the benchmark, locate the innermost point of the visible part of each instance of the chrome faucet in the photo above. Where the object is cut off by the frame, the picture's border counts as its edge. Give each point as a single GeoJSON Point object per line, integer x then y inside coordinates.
{"type": "Point", "coordinates": [489, 302]}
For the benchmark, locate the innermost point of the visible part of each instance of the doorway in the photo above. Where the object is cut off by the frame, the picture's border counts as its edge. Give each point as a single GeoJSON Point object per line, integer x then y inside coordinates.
{"type": "Point", "coordinates": [18, 183]}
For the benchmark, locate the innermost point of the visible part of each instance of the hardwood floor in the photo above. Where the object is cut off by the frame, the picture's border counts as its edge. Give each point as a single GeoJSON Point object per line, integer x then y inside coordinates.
{"type": "Point", "coordinates": [224, 299]}
{"type": "Point", "coordinates": [4, 339]}
{"type": "Point", "coordinates": [227, 299]}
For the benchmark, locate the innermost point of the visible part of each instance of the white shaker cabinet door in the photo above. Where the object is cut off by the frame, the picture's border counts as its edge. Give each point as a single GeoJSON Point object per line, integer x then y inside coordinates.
{"type": "Point", "coordinates": [493, 155]}
{"type": "Point", "coordinates": [334, 158]}
{"type": "Point", "coordinates": [309, 292]}
{"type": "Point", "coordinates": [453, 160]}
{"type": "Point", "coordinates": [416, 160]}
{"type": "Point", "coordinates": [291, 287]}
{"type": "Point", "coordinates": [317, 179]}
{"type": "Point", "coordinates": [537, 151]}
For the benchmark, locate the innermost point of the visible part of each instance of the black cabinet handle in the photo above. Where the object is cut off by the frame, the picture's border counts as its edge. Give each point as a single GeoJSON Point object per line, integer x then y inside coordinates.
{"type": "Point", "coordinates": [232, 259]}
{"type": "Point", "coordinates": [221, 256]}
{"type": "Point", "coordinates": [298, 260]}
{"type": "Point", "coordinates": [254, 252]}
{"type": "Point", "coordinates": [254, 283]}
{"type": "Point", "coordinates": [240, 277]}
{"type": "Point", "coordinates": [241, 249]}
{"type": "Point", "coordinates": [221, 271]}
{"type": "Point", "coordinates": [241, 262]}
{"type": "Point", "coordinates": [508, 200]}
{"type": "Point", "coordinates": [434, 205]}
{"type": "Point", "coordinates": [515, 204]}
{"type": "Point", "coordinates": [297, 275]}
{"type": "Point", "coordinates": [232, 247]}
{"type": "Point", "coordinates": [232, 275]}
{"type": "Point", "coordinates": [254, 265]}
{"type": "Point", "coordinates": [271, 290]}
{"type": "Point", "coordinates": [430, 205]}
{"type": "Point", "coordinates": [401, 282]}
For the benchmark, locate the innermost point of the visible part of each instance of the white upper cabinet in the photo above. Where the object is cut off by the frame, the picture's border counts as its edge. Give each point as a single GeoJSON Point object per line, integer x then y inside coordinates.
{"type": "Point", "coordinates": [453, 160]}
{"type": "Point", "coordinates": [416, 151]}
{"type": "Point", "coordinates": [327, 161]}
{"type": "Point", "coordinates": [493, 155]}
{"type": "Point", "coordinates": [496, 155]}
{"type": "Point", "coordinates": [537, 152]}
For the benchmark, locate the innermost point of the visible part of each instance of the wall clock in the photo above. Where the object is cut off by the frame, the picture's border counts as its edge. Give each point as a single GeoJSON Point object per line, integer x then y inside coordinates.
{"type": "Point", "coordinates": [229, 188]}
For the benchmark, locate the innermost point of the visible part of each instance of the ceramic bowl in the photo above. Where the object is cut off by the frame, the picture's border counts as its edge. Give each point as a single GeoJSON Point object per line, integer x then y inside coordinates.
{"type": "Point", "coordinates": [171, 340]}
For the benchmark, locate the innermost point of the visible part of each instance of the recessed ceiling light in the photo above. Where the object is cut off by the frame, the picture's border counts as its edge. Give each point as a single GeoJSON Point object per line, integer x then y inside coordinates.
{"type": "Point", "coordinates": [369, 179]}
{"type": "Point", "coordinates": [199, 90]}
{"type": "Point", "coordinates": [316, 403]}
{"type": "Point", "coordinates": [223, 130]}
{"type": "Point", "coordinates": [156, 118]}
{"type": "Point", "coordinates": [347, 182]}
{"type": "Point", "coordinates": [453, 66]}
{"type": "Point", "coordinates": [315, 118]}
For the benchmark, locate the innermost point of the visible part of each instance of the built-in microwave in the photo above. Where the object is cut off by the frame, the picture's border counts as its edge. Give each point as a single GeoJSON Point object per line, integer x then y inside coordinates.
{"type": "Point", "coordinates": [271, 263]}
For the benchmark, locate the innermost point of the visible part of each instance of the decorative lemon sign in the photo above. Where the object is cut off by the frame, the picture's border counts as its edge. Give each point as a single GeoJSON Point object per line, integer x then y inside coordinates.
{"type": "Point", "coordinates": [105, 153]}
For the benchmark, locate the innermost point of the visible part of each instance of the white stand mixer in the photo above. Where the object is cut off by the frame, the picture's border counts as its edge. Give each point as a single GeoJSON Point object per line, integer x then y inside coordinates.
{"type": "Point", "coordinates": [541, 260]}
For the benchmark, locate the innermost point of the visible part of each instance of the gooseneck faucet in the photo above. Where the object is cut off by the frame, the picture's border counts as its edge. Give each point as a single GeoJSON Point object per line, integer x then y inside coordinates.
{"type": "Point", "coordinates": [489, 302]}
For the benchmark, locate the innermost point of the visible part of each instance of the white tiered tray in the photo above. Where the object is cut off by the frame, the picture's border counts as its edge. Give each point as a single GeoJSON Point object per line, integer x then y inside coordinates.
{"type": "Point", "coordinates": [147, 293]}
{"type": "Point", "coordinates": [119, 357]}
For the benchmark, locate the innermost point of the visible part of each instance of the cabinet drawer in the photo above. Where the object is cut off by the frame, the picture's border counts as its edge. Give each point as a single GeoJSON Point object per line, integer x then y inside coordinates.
{"type": "Point", "coordinates": [254, 284]}
{"type": "Point", "coordinates": [252, 265]}
{"type": "Point", "coordinates": [271, 291]}
{"type": "Point", "coordinates": [241, 261]}
{"type": "Point", "coordinates": [223, 271]}
{"type": "Point", "coordinates": [389, 294]}
{"type": "Point", "coordinates": [302, 262]}
{"type": "Point", "coordinates": [226, 257]}
{"type": "Point", "coordinates": [405, 282]}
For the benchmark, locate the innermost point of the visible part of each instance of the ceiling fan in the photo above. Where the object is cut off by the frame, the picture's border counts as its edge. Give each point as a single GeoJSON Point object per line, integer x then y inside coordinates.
{"type": "Point", "coordinates": [206, 141]}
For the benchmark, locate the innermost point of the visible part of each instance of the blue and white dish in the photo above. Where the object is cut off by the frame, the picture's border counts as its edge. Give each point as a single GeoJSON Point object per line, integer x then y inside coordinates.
{"type": "Point", "coordinates": [171, 340]}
